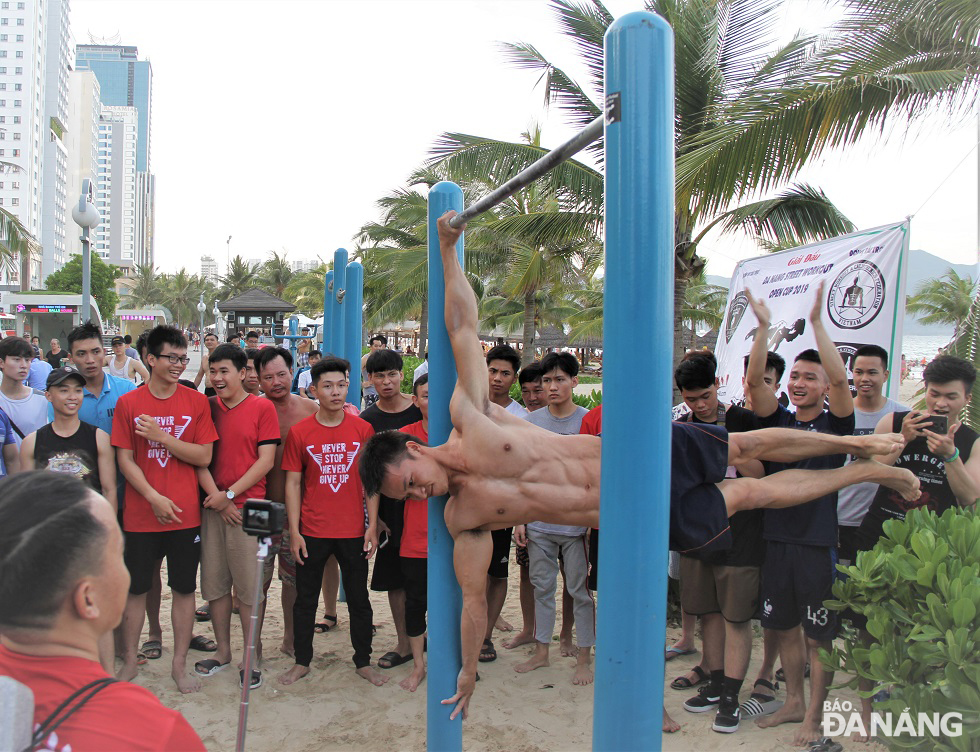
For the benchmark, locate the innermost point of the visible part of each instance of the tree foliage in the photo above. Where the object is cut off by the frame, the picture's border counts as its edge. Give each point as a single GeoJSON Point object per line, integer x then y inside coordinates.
{"type": "Point", "coordinates": [103, 283]}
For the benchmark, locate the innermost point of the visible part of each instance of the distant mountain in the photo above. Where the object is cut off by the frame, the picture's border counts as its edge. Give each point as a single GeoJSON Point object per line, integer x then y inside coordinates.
{"type": "Point", "coordinates": [922, 265]}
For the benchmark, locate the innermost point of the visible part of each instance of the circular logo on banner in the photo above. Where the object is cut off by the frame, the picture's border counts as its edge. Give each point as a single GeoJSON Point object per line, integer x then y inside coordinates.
{"type": "Point", "coordinates": [735, 312]}
{"type": "Point", "coordinates": [856, 295]}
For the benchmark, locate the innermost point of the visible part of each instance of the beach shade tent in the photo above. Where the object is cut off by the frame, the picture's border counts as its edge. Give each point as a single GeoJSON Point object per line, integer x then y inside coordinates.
{"type": "Point", "coordinates": [639, 271]}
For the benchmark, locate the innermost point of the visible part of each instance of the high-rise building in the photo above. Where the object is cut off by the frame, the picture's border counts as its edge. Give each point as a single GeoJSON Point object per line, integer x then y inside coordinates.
{"type": "Point", "coordinates": [84, 115]}
{"type": "Point", "coordinates": [209, 269]}
{"type": "Point", "coordinates": [116, 195]}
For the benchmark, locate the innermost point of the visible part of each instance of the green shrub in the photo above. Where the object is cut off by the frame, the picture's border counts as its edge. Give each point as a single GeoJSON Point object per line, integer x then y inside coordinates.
{"type": "Point", "coordinates": [588, 401]}
{"type": "Point", "coordinates": [919, 589]}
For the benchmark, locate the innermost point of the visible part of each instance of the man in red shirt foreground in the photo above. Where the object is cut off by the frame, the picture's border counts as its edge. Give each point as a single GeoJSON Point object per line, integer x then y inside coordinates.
{"type": "Point", "coordinates": [63, 586]}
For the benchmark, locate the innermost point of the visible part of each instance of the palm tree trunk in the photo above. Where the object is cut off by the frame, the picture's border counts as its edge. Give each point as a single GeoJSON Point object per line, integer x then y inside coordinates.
{"type": "Point", "coordinates": [680, 287]}
{"type": "Point", "coordinates": [424, 329]}
{"type": "Point", "coordinates": [530, 317]}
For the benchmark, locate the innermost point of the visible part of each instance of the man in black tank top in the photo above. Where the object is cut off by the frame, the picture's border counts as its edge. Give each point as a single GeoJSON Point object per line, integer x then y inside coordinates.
{"type": "Point", "coordinates": [67, 445]}
{"type": "Point", "coordinates": [947, 463]}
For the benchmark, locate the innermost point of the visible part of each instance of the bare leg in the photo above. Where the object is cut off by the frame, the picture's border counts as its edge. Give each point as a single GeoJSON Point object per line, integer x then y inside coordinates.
{"type": "Point", "coordinates": [496, 595]}
{"type": "Point", "coordinates": [770, 651]}
{"type": "Point", "coordinates": [132, 627]}
{"type": "Point", "coordinates": [791, 487]}
{"type": "Point", "coordinates": [864, 685]}
{"type": "Point", "coordinates": [396, 601]}
{"type": "Point", "coordinates": [787, 445]}
{"type": "Point", "coordinates": [712, 642]}
{"type": "Point", "coordinates": [153, 598]}
{"type": "Point", "coordinates": [245, 616]}
{"type": "Point", "coordinates": [583, 667]}
{"type": "Point", "coordinates": [288, 600]}
{"type": "Point", "coordinates": [182, 620]}
{"type": "Point", "coordinates": [526, 635]}
{"type": "Point", "coordinates": [412, 681]}
{"type": "Point", "coordinates": [670, 725]}
{"type": "Point", "coordinates": [792, 653]}
{"type": "Point", "coordinates": [221, 624]}
{"type": "Point", "coordinates": [331, 586]}
{"type": "Point", "coordinates": [689, 623]}
{"type": "Point", "coordinates": [538, 659]}
{"type": "Point", "coordinates": [820, 679]}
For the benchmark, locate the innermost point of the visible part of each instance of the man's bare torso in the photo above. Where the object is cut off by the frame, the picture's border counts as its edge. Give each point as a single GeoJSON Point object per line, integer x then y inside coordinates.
{"type": "Point", "coordinates": [515, 472]}
{"type": "Point", "coordinates": [290, 412]}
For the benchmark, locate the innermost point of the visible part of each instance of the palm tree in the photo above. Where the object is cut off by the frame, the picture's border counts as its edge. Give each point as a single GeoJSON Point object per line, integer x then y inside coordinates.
{"type": "Point", "coordinates": [305, 290]}
{"type": "Point", "coordinates": [967, 346]}
{"type": "Point", "coordinates": [181, 292]}
{"type": "Point", "coordinates": [241, 276]}
{"type": "Point", "coordinates": [704, 306]}
{"type": "Point", "coordinates": [275, 274]}
{"type": "Point", "coordinates": [148, 287]}
{"type": "Point", "coordinates": [15, 240]}
{"type": "Point", "coordinates": [943, 300]}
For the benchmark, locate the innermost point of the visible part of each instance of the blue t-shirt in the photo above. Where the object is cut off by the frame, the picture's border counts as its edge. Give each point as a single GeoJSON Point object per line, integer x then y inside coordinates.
{"type": "Point", "coordinates": [815, 522]}
{"type": "Point", "coordinates": [6, 437]}
{"type": "Point", "coordinates": [37, 377]}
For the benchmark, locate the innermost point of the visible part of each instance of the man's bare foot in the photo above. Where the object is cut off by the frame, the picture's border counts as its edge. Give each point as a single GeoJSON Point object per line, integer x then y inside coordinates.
{"type": "Point", "coordinates": [787, 714]}
{"type": "Point", "coordinates": [287, 650]}
{"type": "Point", "coordinates": [897, 479]}
{"type": "Point", "coordinates": [412, 681]}
{"type": "Point", "coordinates": [866, 718]}
{"type": "Point", "coordinates": [806, 733]}
{"type": "Point", "coordinates": [521, 638]}
{"type": "Point", "coordinates": [877, 444]}
{"type": "Point", "coordinates": [670, 725]}
{"type": "Point", "coordinates": [294, 674]}
{"type": "Point", "coordinates": [185, 682]}
{"type": "Point", "coordinates": [372, 675]}
{"type": "Point", "coordinates": [567, 646]}
{"type": "Point", "coordinates": [128, 671]}
{"type": "Point", "coordinates": [538, 660]}
{"type": "Point", "coordinates": [583, 674]}
{"type": "Point", "coordinates": [503, 625]}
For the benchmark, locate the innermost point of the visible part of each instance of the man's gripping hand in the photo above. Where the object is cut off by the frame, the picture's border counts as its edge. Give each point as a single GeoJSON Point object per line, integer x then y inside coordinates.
{"type": "Point", "coordinates": [448, 235]}
{"type": "Point", "coordinates": [465, 684]}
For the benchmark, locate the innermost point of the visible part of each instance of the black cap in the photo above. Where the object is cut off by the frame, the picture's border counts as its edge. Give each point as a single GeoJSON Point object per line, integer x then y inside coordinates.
{"type": "Point", "coordinates": [117, 341]}
{"type": "Point", "coordinates": [59, 375]}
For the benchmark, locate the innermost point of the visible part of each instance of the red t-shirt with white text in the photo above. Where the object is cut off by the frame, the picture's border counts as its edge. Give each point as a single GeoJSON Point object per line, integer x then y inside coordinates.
{"type": "Point", "coordinates": [592, 423]}
{"type": "Point", "coordinates": [186, 415]}
{"type": "Point", "coordinates": [123, 717]}
{"type": "Point", "coordinates": [241, 431]}
{"type": "Point", "coordinates": [415, 535]}
{"type": "Point", "coordinates": [333, 497]}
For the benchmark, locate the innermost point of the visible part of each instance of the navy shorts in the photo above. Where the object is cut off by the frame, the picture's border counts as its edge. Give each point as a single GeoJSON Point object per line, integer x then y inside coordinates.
{"type": "Point", "coordinates": [182, 548]}
{"type": "Point", "coordinates": [796, 580]}
{"type": "Point", "coordinates": [593, 582]}
{"type": "Point", "coordinates": [698, 460]}
{"type": "Point", "coordinates": [500, 559]}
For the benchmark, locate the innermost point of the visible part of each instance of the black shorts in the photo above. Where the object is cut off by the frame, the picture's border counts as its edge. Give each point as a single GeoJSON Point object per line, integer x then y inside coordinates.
{"type": "Point", "coordinates": [501, 553]}
{"type": "Point", "coordinates": [847, 544]}
{"type": "Point", "coordinates": [392, 513]}
{"type": "Point", "coordinates": [796, 580]}
{"type": "Point", "coordinates": [387, 573]}
{"type": "Point", "coordinates": [593, 581]}
{"type": "Point", "coordinates": [698, 460]}
{"type": "Point", "coordinates": [182, 549]}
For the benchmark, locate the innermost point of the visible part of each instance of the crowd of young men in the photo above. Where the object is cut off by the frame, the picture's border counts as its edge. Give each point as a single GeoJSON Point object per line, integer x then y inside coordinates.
{"type": "Point", "coordinates": [757, 542]}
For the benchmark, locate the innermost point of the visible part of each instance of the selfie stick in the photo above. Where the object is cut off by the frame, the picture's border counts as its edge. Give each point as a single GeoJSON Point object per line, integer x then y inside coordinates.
{"type": "Point", "coordinates": [253, 629]}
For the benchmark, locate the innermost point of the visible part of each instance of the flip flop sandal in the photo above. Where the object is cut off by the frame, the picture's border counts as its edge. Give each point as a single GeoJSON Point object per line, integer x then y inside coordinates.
{"type": "Point", "coordinates": [203, 613]}
{"type": "Point", "coordinates": [203, 644]}
{"type": "Point", "coordinates": [761, 703]}
{"type": "Point", "coordinates": [683, 683]}
{"type": "Point", "coordinates": [209, 667]}
{"type": "Point", "coordinates": [675, 652]}
{"type": "Point", "coordinates": [826, 744]}
{"type": "Point", "coordinates": [152, 649]}
{"type": "Point", "coordinates": [140, 659]}
{"type": "Point", "coordinates": [393, 659]}
{"type": "Point", "coordinates": [489, 651]}
{"type": "Point", "coordinates": [322, 626]}
{"type": "Point", "coordinates": [256, 679]}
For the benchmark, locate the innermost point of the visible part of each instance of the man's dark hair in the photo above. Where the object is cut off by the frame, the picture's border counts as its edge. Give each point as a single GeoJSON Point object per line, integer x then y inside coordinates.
{"type": "Point", "coordinates": [380, 338]}
{"type": "Point", "coordinates": [16, 347]}
{"type": "Point", "coordinates": [232, 338]}
{"type": "Point", "coordinates": [164, 335]}
{"type": "Point", "coordinates": [88, 330]}
{"type": "Point", "coordinates": [330, 364]}
{"type": "Point", "coordinates": [946, 368]}
{"type": "Point", "coordinates": [423, 379]}
{"type": "Point", "coordinates": [564, 361]}
{"type": "Point", "coordinates": [507, 353]}
{"type": "Point", "coordinates": [774, 362]}
{"type": "Point", "coordinates": [49, 539]}
{"type": "Point", "coordinates": [872, 351]}
{"type": "Point", "coordinates": [383, 360]}
{"type": "Point", "coordinates": [382, 450]}
{"type": "Point", "coordinates": [128, 339]}
{"type": "Point", "coordinates": [268, 354]}
{"type": "Point", "coordinates": [810, 356]}
{"type": "Point", "coordinates": [210, 334]}
{"type": "Point", "coordinates": [696, 371]}
{"type": "Point", "coordinates": [236, 355]}
{"type": "Point", "coordinates": [141, 346]}
{"type": "Point", "coordinates": [529, 373]}
{"type": "Point", "coordinates": [317, 353]}
{"type": "Point", "coordinates": [252, 335]}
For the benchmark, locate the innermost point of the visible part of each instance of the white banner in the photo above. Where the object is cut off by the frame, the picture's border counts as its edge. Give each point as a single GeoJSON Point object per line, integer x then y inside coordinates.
{"type": "Point", "coordinates": [864, 288]}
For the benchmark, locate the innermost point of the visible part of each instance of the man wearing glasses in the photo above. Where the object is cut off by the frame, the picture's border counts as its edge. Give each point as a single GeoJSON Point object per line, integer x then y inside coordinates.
{"type": "Point", "coordinates": [163, 432]}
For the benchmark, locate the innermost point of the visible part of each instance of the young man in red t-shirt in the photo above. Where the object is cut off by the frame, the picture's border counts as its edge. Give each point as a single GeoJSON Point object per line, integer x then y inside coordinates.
{"type": "Point", "coordinates": [325, 507]}
{"type": "Point", "coordinates": [60, 595]}
{"type": "Point", "coordinates": [414, 551]}
{"type": "Point", "coordinates": [248, 432]}
{"type": "Point", "coordinates": [163, 432]}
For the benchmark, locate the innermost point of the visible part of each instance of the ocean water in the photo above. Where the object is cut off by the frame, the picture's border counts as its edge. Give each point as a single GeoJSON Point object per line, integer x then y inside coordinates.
{"type": "Point", "coordinates": [917, 346]}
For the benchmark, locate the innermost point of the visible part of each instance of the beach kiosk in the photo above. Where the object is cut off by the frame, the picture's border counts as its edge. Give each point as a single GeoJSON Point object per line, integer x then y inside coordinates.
{"type": "Point", "coordinates": [49, 315]}
{"type": "Point", "coordinates": [135, 321]}
{"type": "Point", "coordinates": [256, 310]}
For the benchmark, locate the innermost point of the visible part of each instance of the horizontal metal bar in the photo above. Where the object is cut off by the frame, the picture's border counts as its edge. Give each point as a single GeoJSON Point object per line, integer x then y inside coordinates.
{"type": "Point", "coordinates": [532, 172]}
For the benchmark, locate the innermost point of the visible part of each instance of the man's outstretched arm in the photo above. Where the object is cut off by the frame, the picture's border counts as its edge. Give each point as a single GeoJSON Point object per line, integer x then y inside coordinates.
{"type": "Point", "coordinates": [793, 445]}
{"type": "Point", "coordinates": [461, 322]}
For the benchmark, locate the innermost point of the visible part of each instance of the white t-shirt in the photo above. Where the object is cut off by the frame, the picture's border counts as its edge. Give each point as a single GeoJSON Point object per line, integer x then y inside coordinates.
{"type": "Point", "coordinates": [304, 379]}
{"type": "Point", "coordinates": [423, 368]}
{"type": "Point", "coordinates": [516, 408]}
{"type": "Point", "coordinates": [28, 414]}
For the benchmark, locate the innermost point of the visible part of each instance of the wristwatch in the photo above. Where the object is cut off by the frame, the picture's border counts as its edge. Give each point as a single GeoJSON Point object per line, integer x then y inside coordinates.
{"type": "Point", "coordinates": [230, 495]}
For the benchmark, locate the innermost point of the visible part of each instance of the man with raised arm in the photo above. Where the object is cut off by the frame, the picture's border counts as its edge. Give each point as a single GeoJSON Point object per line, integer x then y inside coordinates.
{"type": "Point", "coordinates": [500, 470]}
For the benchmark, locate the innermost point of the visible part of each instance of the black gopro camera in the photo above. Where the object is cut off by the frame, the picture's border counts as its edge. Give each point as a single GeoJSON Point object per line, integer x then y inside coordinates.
{"type": "Point", "coordinates": [263, 518]}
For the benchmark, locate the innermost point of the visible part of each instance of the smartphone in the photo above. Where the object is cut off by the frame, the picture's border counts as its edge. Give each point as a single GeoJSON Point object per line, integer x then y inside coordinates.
{"type": "Point", "coordinates": [383, 540]}
{"type": "Point", "coordinates": [940, 424]}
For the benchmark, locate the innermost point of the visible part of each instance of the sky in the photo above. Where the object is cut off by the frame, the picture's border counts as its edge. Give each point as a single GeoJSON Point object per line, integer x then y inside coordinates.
{"type": "Point", "coordinates": [280, 124]}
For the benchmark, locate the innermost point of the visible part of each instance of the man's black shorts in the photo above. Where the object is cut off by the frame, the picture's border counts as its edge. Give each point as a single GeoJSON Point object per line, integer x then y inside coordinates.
{"type": "Point", "coordinates": [698, 460]}
{"type": "Point", "coordinates": [796, 580]}
{"type": "Point", "coordinates": [501, 553]}
{"type": "Point", "coordinates": [593, 582]}
{"type": "Point", "coordinates": [182, 549]}
{"type": "Point", "coordinates": [387, 573]}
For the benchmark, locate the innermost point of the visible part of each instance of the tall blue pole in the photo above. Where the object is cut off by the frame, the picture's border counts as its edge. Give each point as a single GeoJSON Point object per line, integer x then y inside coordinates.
{"type": "Point", "coordinates": [339, 289]}
{"type": "Point", "coordinates": [444, 597]}
{"type": "Point", "coordinates": [353, 321]}
{"type": "Point", "coordinates": [327, 332]}
{"type": "Point", "coordinates": [293, 331]}
{"type": "Point", "coordinates": [639, 294]}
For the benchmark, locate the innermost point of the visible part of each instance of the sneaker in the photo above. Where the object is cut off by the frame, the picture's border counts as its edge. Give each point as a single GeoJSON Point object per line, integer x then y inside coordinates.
{"type": "Point", "coordinates": [728, 716]}
{"type": "Point", "coordinates": [707, 699]}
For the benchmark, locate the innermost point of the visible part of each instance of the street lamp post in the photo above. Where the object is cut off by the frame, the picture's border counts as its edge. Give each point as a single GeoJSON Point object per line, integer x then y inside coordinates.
{"type": "Point", "coordinates": [201, 308]}
{"type": "Point", "coordinates": [228, 262]}
{"type": "Point", "coordinates": [217, 322]}
{"type": "Point", "coordinates": [86, 215]}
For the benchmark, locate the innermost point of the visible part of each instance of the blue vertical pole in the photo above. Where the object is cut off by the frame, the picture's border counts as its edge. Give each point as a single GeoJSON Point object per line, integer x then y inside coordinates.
{"type": "Point", "coordinates": [353, 320]}
{"type": "Point", "coordinates": [293, 331]}
{"type": "Point", "coordinates": [339, 284]}
{"type": "Point", "coordinates": [327, 313]}
{"type": "Point", "coordinates": [639, 294]}
{"type": "Point", "coordinates": [445, 598]}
